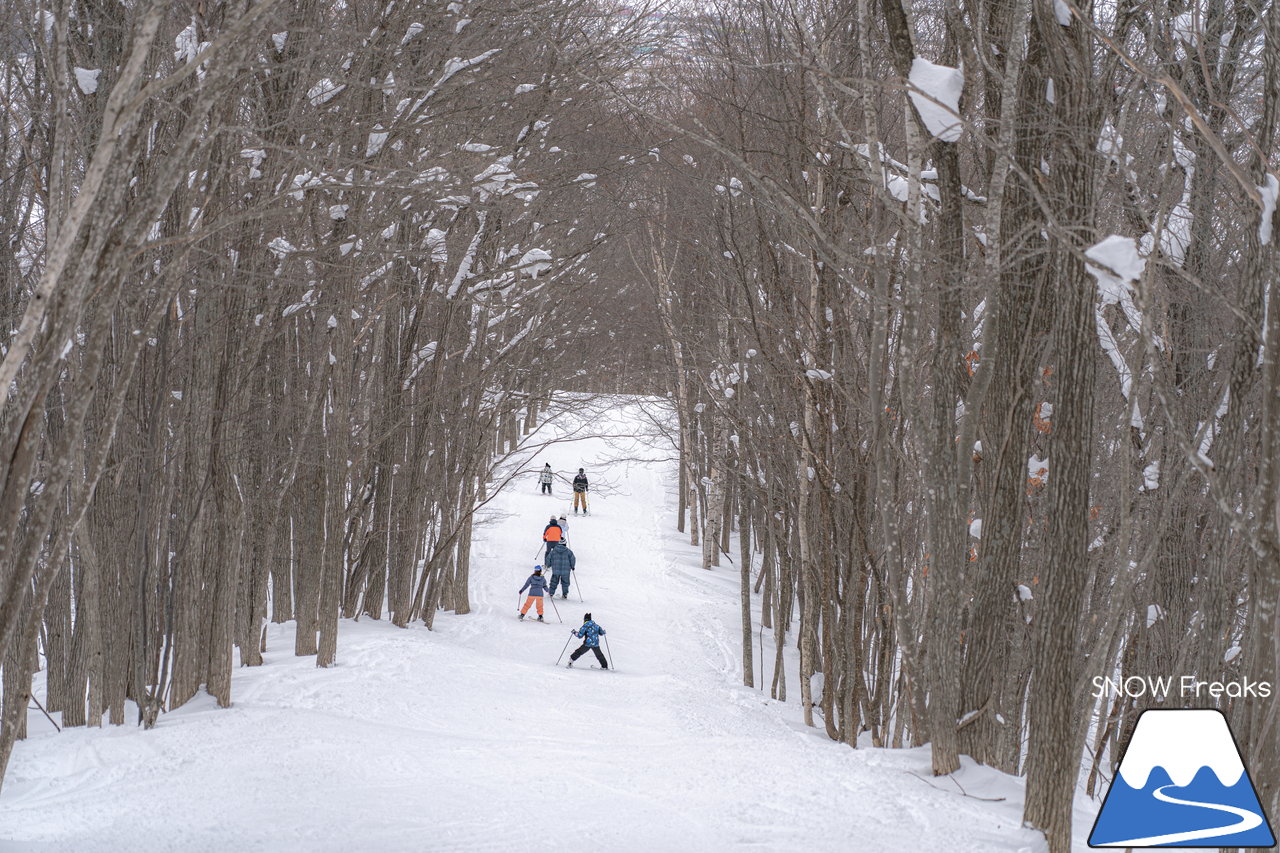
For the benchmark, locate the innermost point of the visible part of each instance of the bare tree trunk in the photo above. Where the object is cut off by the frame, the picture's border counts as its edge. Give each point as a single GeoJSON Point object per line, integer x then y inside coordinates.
{"type": "Point", "coordinates": [744, 568]}
{"type": "Point", "coordinates": [1056, 733]}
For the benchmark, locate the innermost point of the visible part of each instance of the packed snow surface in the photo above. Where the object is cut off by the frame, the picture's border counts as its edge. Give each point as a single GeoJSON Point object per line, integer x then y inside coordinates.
{"type": "Point", "coordinates": [469, 738]}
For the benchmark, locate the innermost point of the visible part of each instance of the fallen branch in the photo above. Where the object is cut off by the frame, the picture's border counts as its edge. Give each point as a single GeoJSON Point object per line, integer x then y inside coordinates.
{"type": "Point", "coordinates": [46, 713]}
{"type": "Point", "coordinates": [958, 785]}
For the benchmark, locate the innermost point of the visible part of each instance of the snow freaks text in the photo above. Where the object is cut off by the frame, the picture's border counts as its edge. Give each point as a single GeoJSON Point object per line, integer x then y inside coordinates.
{"type": "Point", "coordinates": [1186, 687]}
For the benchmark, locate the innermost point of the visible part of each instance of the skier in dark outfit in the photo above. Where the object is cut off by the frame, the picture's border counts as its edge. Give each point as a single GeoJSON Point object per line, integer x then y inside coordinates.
{"type": "Point", "coordinates": [561, 562]}
{"type": "Point", "coordinates": [591, 634]}
{"type": "Point", "coordinates": [580, 486]}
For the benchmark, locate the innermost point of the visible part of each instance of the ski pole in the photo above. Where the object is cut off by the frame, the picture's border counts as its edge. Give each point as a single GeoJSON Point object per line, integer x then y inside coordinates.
{"type": "Point", "coordinates": [556, 609]}
{"type": "Point", "coordinates": [608, 651]}
{"type": "Point", "coordinates": [565, 649]}
{"type": "Point", "coordinates": [578, 585]}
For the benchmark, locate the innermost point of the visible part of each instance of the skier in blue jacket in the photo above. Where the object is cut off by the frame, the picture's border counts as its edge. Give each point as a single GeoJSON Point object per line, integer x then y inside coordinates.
{"type": "Point", "coordinates": [561, 562]}
{"type": "Point", "coordinates": [537, 585]}
{"type": "Point", "coordinates": [590, 633]}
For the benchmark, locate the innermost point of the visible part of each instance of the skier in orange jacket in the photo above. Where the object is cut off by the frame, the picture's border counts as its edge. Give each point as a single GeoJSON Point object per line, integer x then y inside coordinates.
{"type": "Point", "coordinates": [552, 534]}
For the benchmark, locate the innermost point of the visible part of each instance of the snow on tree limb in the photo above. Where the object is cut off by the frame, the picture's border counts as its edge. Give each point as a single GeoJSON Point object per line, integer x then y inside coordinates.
{"type": "Point", "coordinates": [935, 91]}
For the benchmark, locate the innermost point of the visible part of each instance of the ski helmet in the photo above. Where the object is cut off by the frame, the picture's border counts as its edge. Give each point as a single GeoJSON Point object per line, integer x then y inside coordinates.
{"type": "Point", "coordinates": [537, 569]}
{"type": "Point", "coordinates": [580, 471]}
{"type": "Point", "coordinates": [586, 617]}
{"type": "Point", "coordinates": [553, 518]}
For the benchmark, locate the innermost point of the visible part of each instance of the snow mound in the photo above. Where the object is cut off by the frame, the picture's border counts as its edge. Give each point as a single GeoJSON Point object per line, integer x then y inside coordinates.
{"type": "Point", "coordinates": [535, 262]}
{"type": "Point", "coordinates": [87, 79]}
{"type": "Point", "coordinates": [1270, 190]}
{"type": "Point", "coordinates": [1119, 265]}
{"type": "Point", "coordinates": [935, 90]}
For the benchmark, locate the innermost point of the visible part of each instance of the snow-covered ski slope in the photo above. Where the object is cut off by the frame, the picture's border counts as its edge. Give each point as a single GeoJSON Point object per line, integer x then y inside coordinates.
{"type": "Point", "coordinates": [468, 738]}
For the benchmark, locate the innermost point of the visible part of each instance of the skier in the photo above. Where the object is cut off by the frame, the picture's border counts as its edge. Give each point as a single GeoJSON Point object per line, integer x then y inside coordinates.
{"type": "Point", "coordinates": [590, 633]}
{"type": "Point", "coordinates": [545, 478]}
{"type": "Point", "coordinates": [551, 534]}
{"type": "Point", "coordinates": [537, 585]}
{"type": "Point", "coordinates": [561, 562]}
{"type": "Point", "coordinates": [564, 529]}
{"type": "Point", "coordinates": [580, 492]}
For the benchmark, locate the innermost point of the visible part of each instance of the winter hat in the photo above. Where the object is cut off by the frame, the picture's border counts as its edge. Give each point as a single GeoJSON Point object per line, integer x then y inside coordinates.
{"type": "Point", "coordinates": [537, 570]}
{"type": "Point", "coordinates": [586, 617]}
{"type": "Point", "coordinates": [580, 471]}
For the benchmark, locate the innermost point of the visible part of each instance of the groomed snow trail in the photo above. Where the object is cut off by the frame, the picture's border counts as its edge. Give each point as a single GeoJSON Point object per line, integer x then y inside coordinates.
{"type": "Point", "coordinates": [467, 738]}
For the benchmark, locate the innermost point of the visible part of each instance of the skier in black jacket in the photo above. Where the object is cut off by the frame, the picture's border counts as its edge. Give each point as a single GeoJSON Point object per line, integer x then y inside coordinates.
{"type": "Point", "coordinates": [580, 492]}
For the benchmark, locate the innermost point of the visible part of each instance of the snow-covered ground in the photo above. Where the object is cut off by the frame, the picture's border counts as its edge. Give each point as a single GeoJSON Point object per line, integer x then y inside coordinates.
{"type": "Point", "coordinates": [468, 737]}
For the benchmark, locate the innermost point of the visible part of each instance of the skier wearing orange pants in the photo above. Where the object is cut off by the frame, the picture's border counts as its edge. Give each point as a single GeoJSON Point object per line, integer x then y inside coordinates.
{"type": "Point", "coordinates": [537, 586]}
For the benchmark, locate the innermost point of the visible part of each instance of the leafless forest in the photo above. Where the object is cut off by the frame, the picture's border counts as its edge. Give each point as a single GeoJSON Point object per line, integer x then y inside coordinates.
{"type": "Point", "coordinates": [284, 280]}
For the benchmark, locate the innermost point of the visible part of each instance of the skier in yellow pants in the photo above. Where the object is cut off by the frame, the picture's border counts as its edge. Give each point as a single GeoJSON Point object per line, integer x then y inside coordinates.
{"type": "Point", "coordinates": [580, 492]}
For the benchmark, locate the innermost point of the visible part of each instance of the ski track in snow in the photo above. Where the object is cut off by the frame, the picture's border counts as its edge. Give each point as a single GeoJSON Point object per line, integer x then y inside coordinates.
{"type": "Point", "coordinates": [466, 738]}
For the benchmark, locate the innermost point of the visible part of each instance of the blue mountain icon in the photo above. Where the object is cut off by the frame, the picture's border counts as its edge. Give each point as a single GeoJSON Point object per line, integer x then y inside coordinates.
{"type": "Point", "coordinates": [1182, 783]}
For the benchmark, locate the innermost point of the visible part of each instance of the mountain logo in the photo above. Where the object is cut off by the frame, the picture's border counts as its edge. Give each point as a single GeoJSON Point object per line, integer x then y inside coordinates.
{"type": "Point", "coordinates": [1182, 783]}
